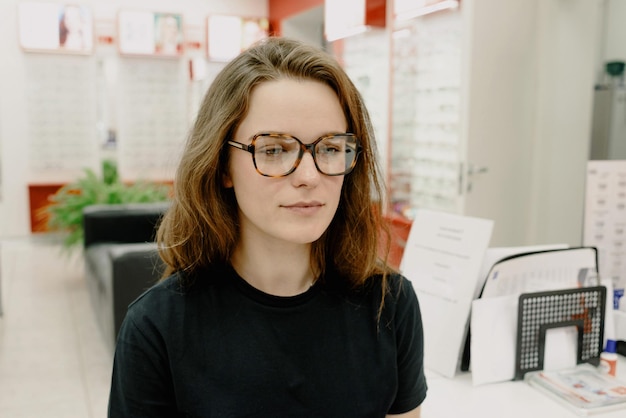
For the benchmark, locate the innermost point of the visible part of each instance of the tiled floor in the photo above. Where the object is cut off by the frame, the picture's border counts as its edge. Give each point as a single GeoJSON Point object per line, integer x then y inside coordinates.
{"type": "Point", "coordinates": [53, 359]}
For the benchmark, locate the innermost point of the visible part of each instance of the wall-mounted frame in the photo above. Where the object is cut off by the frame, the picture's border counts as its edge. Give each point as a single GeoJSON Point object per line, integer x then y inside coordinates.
{"type": "Point", "coordinates": [55, 27]}
{"type": "Point", "coordinates": [227, 36]}
{"type": "Point", "coordinates": [150, 33]}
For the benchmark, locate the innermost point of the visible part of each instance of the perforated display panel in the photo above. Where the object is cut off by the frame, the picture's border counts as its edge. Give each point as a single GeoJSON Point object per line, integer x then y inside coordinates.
{"type": "Point", "coordinates": [541, 311]}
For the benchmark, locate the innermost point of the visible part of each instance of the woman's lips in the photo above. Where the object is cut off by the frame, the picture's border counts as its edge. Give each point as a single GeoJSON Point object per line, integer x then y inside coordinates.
{"type": "Point", "coordinates": [304, 207]}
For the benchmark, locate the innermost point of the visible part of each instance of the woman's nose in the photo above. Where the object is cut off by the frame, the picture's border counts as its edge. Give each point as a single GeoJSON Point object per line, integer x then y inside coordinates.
{"type": "Point", "coordinates": [306, 174]}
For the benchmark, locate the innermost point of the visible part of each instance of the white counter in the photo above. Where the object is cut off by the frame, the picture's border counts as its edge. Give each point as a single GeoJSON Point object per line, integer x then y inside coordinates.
{"type": "Point", "coordinates": [459, 398]}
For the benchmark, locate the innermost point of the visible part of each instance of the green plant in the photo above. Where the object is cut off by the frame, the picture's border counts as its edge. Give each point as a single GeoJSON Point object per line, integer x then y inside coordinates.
{"type": "Point", "coordinates": [65, 211]}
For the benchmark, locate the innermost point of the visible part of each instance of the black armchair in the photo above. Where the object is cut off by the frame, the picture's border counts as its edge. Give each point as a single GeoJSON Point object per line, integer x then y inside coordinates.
{"type": "Point", "coordinates": [121, 258]}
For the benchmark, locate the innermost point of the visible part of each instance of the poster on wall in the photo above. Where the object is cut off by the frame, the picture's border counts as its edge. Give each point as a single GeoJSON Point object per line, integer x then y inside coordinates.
{"type": "Point", "coordinates": [227, 36]}
{"type": "Point", "coordinates": [148, 33]}
{"type": "Point", "coordinates": [55, 27]}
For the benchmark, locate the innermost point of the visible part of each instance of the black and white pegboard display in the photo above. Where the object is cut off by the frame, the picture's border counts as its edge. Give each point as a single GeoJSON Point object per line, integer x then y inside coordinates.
{"type": "Point", "coordinates": [539, 312]}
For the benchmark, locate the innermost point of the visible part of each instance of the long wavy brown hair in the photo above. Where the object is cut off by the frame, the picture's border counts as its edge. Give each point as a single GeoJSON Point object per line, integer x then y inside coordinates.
{"type": "Point", "coordinates": [202, 225]}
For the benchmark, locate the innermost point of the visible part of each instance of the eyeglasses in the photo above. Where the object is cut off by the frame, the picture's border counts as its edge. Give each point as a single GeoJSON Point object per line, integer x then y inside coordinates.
{"type": "Point", "coordinates": [278, 155]}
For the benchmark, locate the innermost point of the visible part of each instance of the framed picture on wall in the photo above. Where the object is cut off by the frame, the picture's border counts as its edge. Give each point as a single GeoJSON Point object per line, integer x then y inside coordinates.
{"type": "Point", "coordinates": [149, 33]}
{"type": "Point", "coordinates": [55, 27]}
{"type": "Point", "coordinates": [227, 36]}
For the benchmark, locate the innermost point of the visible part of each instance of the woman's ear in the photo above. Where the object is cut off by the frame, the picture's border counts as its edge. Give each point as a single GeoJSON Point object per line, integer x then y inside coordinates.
{"type": "Point", "coordinates": [226, 181]}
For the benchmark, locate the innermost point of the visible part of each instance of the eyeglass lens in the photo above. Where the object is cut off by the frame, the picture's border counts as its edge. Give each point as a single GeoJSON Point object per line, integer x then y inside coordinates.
{"type": "Point", "coordinates": [277, 155]}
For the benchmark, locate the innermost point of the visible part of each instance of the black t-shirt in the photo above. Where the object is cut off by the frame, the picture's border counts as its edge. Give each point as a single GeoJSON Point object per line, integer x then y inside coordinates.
{"type": "Point", "coordinates": [218, 347]}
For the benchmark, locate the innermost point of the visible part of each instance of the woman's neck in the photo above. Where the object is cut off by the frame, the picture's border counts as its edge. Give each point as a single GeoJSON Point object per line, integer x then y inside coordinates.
{"type": "Point", "coordinates": [276, 270]}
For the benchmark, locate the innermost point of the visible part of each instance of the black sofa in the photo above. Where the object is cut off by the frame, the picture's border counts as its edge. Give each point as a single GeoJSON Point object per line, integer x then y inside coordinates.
{"type": "Point", "coordinates": [121, 258]}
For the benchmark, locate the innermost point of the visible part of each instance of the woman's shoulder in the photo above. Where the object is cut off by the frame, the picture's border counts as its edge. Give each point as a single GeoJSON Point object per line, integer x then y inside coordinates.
{"type": "Point", "coordinates": [399, 285]}
{"type": "Point", "coordinates": [394, 287]}
{"type": "Point", "coordinates": [398, 292]}
{"type": "Point", "coordinates": [392, 283]}
{"type": "Point", "coordinates": [162, 294]}
{"type": "Point", "coordinates": [177, 289]}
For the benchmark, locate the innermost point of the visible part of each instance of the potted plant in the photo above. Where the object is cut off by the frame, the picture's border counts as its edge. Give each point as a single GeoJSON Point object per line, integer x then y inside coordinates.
{"type": "Point", "coordinates": [65, 211]}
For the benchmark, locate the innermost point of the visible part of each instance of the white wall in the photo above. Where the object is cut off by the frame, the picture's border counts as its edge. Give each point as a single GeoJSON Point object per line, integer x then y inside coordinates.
{"type": "Point", "coordinates": [501, 49]}
{"type": "Point", "coordinates": [567, 45]}
{"type": "Point", "coordinates": [14, 146]}
{"type": "Point", "coordinates": [614, 42]}
{"type": "Point", "coordinates": [529, 73]}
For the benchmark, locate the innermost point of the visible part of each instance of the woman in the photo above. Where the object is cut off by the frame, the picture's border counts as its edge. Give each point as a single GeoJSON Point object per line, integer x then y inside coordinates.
{"type": "Point", "coordinates": [274, 302]}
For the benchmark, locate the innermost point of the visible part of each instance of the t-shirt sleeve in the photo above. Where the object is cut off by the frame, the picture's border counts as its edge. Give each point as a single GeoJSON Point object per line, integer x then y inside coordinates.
{"type": "Point", "coordinates": [141, 382]}
{"type": "Point", "coordinates": [410, 348]}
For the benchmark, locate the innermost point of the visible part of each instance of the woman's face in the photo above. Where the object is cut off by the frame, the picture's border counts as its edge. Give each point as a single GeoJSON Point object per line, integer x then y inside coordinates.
{"type": "Point", "coordinates": [299, 207]}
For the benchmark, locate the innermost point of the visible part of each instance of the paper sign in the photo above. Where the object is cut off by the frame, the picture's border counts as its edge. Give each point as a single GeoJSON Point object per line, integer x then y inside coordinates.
{"type": "Point", "coordinates": [543, 271]}
{"type": "Point", "coordinates": [495, 254]}
{"type": "Point", "coordinates": [494, 329]}
{"type": "Point", "coordinates": [442, 258]}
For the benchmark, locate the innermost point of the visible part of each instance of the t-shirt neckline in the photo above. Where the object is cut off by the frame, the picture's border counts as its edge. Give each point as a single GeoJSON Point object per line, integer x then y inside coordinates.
{"type": "Point", "coordinates": [272, 300]}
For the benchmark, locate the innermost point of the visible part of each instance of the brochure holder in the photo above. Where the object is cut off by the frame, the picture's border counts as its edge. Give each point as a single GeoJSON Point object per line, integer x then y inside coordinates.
{"type": "Point", "coordinates": [495, 312]}
{"type": "Point", "coordinates": [541, 311]}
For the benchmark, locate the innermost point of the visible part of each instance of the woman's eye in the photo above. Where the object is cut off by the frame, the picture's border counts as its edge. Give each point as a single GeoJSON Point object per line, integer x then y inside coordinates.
{"type": "Point", "coordinates": [330, 149]}
{"type": "Point", "coordinates": [272, 150]}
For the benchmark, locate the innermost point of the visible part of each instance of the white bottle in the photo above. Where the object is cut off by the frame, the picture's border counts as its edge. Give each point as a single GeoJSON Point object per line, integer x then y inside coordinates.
{"type": "Point", "coordinates": [608, 358]}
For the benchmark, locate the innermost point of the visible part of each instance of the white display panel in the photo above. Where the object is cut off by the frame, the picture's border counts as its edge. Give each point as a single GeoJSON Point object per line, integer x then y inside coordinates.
{"type": "Point", "coordinates": [55, 27]}
{"type": "Point", "coordinates": [61, 116]}
{"type": "Point", "coordinates": [605, 222]}
{"type": "Point", "coordinates": [344, 18]}
{"type": "Point", "coordinates": [148, 33]}
{"type": "Point", "coordinates": [409, 9]}
{"type": "Point", "coordinates": [227, 36]}
{"type": "Point", "coordinates": [151, 115]}
{"type": "Point", "coordinates": [426, 143]}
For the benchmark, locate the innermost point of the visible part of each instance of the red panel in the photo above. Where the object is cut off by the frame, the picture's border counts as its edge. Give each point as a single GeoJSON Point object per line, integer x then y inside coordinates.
{"type": "Point", "coordinates": [282, 9]}
{"type": "Point", "coordinates": [279, 10]}
{"type": "Point", "coordinates": [399, 227]}
{"type": "Point", "coordinates": [38, 195]}
{"type": "Point", "coordinates": [375, 13]}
